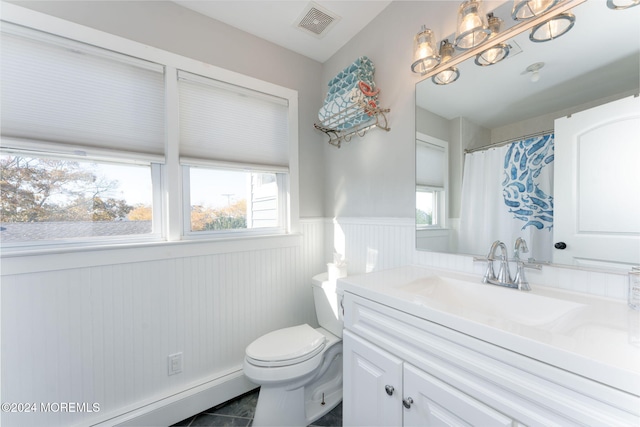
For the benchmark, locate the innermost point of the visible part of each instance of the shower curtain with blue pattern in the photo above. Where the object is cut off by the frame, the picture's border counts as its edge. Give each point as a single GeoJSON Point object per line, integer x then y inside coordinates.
{"type": "Point", "coordinates": [507, 192]}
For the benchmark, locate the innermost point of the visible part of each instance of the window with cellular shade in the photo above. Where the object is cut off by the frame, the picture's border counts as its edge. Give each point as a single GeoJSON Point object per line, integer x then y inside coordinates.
{"type": "Point", "coordinates": [59, 91]}
{"type": "Point", "coordinates": [221, 122]}
{"type": "Point", "coordinates": [430, 164]}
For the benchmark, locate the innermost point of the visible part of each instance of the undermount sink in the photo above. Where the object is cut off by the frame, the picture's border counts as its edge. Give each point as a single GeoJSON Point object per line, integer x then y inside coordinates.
{"type": "Point", "coordinates": [525, 308]}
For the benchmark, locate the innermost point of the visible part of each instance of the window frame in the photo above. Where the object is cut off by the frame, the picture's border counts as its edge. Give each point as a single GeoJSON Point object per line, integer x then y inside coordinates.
{"type": "Point", "coordinates": [282, 180]}
{"type": "Point", "coordinates": [171, 175]}
{"type": "Point", "coordinates": [53, 151]}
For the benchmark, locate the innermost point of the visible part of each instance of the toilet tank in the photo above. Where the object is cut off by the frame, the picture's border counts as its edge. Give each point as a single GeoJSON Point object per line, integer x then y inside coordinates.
{"type": "Point", "coordinates": [328, 304]}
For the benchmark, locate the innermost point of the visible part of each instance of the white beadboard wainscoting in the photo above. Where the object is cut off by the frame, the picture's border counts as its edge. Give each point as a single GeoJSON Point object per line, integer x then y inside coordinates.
{"type": "Point", "coordinates": [101, 332]}
{"type": "Point", "coordinates": [98, 326]}
{"type": "Point", "coordinates": [371, 244]}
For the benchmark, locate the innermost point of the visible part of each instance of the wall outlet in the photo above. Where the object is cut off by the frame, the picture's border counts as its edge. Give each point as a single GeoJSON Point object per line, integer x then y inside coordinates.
{"type": "Point", "coordinates": [175, 363]}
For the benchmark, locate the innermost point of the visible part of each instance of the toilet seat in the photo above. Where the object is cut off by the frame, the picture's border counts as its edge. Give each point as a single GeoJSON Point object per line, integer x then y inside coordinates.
{"type": "Point", "coordinates": [286, 346]}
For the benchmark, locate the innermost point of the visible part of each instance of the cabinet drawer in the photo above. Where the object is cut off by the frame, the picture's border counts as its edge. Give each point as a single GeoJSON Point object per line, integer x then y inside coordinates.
{"type": "Point", "coordinates": [529, 391]}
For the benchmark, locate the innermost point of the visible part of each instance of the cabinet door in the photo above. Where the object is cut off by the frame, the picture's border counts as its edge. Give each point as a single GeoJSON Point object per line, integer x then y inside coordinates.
{"type": "Point", "coordinates": [435, 403]}
{"type": "Point", "coordinates": [372, 394]}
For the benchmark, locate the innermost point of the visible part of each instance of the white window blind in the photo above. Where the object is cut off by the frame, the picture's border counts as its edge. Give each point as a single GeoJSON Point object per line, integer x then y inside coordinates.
{"type": "Point", "coordinates": [430, 162]}
{"type": "Point", "coordinates": [226, 123]}
{"type": "Point", "coordinates": [62, 91]}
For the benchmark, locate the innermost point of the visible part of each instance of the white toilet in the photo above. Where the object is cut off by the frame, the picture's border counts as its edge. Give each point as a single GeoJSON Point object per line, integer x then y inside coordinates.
{"type": "Point", "coordinates": [299, 368]}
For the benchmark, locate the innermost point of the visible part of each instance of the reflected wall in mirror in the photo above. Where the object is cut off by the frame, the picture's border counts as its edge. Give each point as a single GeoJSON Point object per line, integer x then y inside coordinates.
{"type": "Point", "coordinates": [501, 115]}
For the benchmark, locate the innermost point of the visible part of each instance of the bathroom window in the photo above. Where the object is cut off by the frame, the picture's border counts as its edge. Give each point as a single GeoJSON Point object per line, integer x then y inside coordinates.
{"type": "Point", "coordinates": [82, 142]}
{"type": "Point", "coordinates": [137, 134]}
{"type": "Point", "coordinates": [53, 199]}
{"type": "Point", "coordinates": [432, 160]}
{"type": "Point", "coordinates": [230, 201]}
{"type": "Point", "coordinates": [234, 149]}
{"type": "Point", "coordinates": [429, 206]}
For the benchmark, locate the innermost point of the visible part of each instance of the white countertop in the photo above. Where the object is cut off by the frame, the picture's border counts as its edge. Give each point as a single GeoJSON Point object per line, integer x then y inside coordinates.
{"type": "Point", "coordinates": [598, 338]}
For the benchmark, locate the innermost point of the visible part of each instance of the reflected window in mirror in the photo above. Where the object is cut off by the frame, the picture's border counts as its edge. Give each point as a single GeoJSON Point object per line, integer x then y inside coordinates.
{"type": "Point", "coordinates": [431, 181]}
{"type": "Point", "coordinates": [428, 202]}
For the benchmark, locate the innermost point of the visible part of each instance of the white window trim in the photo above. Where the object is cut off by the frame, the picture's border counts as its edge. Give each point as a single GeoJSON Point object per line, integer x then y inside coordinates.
{"type": "Point", "coordinates": [172, 174]}
{"type": "Point", "coordinates": [67, 151]}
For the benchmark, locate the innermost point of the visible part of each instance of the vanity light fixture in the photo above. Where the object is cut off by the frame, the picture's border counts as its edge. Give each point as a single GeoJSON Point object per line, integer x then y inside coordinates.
{"type": "Point", "coordinates": [450, 74]}
{"type": "Point", "coordinates": [424, 52]}
{"type": "Point", "coordinates": [472, 29]}
{"type": "Point", "coordinates": [488, 44]}
{"type": "Point", "coordinates": [495, 53]}
{"type": "Point", "coordinates": [552, 28]}
{"type": "Point", "coordinates": [622, 4]}
{"type": "Point", "coordinates": [526, 9]}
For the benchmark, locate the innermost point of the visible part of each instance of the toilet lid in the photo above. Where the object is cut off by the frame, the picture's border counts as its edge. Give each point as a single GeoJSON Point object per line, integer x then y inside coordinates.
{"type": "Point", "coordinates": [286, 346]}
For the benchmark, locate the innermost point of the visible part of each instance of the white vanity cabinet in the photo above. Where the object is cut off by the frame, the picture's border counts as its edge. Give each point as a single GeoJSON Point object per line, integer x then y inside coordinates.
{"type": "Point", "coordinates": [381, 390]}
{"type": "Point", "coordinates": [400, 369]}
{"type": "Point", "coordinates": [372, 384]}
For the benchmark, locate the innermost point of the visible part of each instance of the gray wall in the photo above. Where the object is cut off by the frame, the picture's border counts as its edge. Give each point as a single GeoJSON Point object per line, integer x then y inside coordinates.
{"type": "Point", "coordinates": [431, 124]}
{"type": "Point", "coordinates": [167, 26]}
{"type": "Point", "coordinates": [375, 175]}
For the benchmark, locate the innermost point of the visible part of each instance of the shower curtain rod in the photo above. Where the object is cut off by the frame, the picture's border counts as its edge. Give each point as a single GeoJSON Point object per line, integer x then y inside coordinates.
{"type": "Point", "coordinates": [508, 141]}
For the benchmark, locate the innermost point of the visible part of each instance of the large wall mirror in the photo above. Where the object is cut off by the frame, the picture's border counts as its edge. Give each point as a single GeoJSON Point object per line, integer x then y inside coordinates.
{"type": "Point", "coordinates": [498, 128]}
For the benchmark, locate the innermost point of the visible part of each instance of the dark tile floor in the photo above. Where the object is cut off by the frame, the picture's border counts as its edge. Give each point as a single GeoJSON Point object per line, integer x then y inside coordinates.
{"type": "Point", "coordinates": [239, 412]}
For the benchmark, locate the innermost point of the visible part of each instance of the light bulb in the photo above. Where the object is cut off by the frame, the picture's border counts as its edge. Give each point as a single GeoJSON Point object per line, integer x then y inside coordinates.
{"type": "Point", "coordinates": [535, 76]}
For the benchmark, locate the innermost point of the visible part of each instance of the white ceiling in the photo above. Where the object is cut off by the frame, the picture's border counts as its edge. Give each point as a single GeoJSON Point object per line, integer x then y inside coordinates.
{"type": "Point", "coordinates": [276, 21]}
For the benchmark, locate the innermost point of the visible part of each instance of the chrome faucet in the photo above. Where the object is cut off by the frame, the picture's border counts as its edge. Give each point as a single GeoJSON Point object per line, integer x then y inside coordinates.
{"type": "Point", "coordinates": [503, 278]}
{"type": "Point", "coordinates": [520, 280]}
{"type": "Point", "coordinates": [504, 275]}
{"type": "Point", "coordinates": [521, 245]}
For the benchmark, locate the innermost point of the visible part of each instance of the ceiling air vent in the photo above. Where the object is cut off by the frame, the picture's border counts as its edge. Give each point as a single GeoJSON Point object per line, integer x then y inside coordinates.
{"type": "Point", "coordinates": [316, 20]}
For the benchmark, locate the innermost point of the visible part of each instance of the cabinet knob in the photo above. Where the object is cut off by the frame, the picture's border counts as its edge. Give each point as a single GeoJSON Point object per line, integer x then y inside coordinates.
{"type": "Point", "coordinates": [560, 245]}
{"type": "Point", "coordinates": [389, 389]}
{"type": "Point", "coordinates": [407, 402]}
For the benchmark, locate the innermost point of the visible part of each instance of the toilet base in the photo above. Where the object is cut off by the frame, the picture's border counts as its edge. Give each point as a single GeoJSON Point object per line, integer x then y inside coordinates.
{"type": "Point", "coordinates": [285, 407]}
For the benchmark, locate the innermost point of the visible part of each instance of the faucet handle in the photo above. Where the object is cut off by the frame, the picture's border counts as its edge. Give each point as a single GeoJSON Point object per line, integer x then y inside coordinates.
{"type": "Point", "coordinates": [489, 273]}
{"type": "Point", "coordinates": [528, 264]}
{"type": "Point", "coordinates": [520, 280]}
